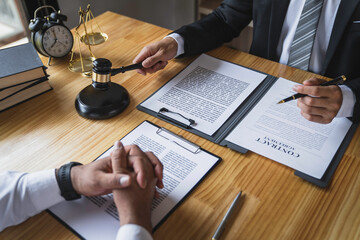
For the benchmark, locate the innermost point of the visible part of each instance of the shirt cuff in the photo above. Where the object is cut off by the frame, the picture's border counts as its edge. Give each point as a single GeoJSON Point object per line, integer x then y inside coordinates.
{"type": "Point", "coordinates": [133, 232]}
{"type": "Point", "coordinates": [43, 189]}
{"type": "Point", "coordinates": [348, 103]}
{"type": "Point", "coordinates": [180, 42]}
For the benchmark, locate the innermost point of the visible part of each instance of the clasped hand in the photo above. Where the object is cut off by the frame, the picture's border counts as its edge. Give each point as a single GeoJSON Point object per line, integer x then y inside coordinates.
{"type": "Point", "coordinates": [130, 174]}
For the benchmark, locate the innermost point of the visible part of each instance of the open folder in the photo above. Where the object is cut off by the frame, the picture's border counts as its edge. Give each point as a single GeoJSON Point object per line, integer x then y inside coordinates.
{"type": "Point", "coordinates": [185, 165]}
{"type": "Point", "coordinates": [236, 107]}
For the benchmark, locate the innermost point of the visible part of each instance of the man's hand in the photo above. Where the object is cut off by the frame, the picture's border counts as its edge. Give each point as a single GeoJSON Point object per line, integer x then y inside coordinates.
{"type": "Point", "coordinates": [141, 165]}
{"type": "Point", "coordinates": [134, 202]}
{"type": "Point", "coordinates": [324, 104]}
{"type": "Point", "coordinates": [97, 178]}
{"type": "Point", "coordinates": [155, 56]}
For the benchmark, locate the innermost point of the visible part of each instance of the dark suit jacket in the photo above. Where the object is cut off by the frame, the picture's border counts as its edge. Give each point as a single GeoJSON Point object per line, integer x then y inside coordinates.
{"type": "Point", "coordinates": [227, 21]}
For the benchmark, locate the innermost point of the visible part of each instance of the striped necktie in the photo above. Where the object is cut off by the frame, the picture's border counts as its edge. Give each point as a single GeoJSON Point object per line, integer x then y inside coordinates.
{"type": "Point", "coordinates": [300, 50]}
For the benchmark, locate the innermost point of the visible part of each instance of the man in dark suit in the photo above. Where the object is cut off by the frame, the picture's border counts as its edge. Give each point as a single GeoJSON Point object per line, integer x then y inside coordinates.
{"type": "Point", "coordinates": [335, 51]}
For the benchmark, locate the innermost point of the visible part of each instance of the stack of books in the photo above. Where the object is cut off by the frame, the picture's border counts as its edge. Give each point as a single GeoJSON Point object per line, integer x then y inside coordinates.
{"type": "Point", "coordinates": [22, 75]}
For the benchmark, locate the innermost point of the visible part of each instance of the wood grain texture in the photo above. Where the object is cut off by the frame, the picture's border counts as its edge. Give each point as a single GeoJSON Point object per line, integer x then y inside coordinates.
{"type": "Point", "coordinates": [46, 132]}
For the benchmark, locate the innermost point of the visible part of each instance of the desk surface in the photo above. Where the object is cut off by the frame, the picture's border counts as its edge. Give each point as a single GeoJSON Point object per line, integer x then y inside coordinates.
{"type": "Point", "coordinates": [46, 132]}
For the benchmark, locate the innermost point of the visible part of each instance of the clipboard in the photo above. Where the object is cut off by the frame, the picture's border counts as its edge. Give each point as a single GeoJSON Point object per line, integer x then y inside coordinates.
{"type": "Point", "coordinates": [241, 111]}
{"type": "Point", "coordinates": [101, 226]}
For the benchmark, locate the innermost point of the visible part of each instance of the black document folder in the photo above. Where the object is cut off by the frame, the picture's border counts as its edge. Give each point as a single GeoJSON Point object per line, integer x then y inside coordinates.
{"type": "Point", "coordinates": [238, 115]}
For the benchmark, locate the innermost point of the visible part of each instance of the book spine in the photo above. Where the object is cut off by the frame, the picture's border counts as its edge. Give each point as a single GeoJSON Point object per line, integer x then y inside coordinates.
{"type": "Point", "coordinates": [40, 80]}
{"type": "Point", "coordinates": [25, 100]}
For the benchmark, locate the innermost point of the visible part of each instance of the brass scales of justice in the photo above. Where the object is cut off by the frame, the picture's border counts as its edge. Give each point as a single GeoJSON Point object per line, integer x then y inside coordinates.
{"type": "Point", "coordinates": [101, 99]}
{"type": "Point", "coordinates": [85, 64]}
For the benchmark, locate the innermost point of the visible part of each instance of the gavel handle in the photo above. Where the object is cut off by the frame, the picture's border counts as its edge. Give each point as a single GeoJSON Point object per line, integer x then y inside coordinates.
{"type": "Point", "coordinates": [126, 68]}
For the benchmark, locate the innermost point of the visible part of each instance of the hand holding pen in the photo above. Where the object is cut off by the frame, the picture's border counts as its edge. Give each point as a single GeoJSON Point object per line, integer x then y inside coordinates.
{"type": "Point", "coordinates": [319, 101]}
{"type": "Point", "coordinates": [336, 81]}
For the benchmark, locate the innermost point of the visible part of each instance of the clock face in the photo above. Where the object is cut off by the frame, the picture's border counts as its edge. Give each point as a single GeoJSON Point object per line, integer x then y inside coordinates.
{"type": "Point", "coordinates": [57, 41]}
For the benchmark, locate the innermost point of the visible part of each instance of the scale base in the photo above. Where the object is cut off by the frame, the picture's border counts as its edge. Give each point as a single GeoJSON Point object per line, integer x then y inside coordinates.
{"type": "Point", "coordinates": [102, 103]}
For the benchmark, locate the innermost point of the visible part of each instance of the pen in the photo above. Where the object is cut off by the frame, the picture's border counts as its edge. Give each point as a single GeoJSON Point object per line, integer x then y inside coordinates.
{"type": "Point", "coordinates": [221, 227]}
{"type": "Point", "coordinates": [335, 81]}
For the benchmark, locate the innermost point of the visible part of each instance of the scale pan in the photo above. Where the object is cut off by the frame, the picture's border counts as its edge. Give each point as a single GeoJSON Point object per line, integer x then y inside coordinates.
{"type": "Point", "coordinates": [95, 38]}
{"type": "Point", "coordinates": [75, 66]}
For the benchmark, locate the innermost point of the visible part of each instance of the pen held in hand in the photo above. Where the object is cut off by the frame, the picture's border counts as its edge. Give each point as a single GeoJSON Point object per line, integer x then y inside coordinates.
{"type": "Point", "coordinates": [336, 81]}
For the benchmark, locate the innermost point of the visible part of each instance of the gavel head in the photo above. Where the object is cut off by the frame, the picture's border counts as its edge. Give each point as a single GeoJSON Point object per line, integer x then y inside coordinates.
{"type": "Point", "coordinates": [102, 66]}
{"type": "Point", "coordinates": [102, 99]}
{"type": "Point", "coordinates": [101, 72]}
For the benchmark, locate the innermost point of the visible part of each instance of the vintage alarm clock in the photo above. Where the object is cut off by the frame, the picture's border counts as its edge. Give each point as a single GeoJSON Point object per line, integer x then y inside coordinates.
{"type": "Point", "coordinates": [49, 35]}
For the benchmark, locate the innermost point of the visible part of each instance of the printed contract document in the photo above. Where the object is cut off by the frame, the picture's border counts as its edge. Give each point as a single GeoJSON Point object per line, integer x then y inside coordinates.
{"type": "Point", "coordinates": [207, 91]}
{"type": "Point", "coordinates": [185, 165]}
{"type": "Point", "coordinates": [236, 107]}
{"type": "Point", "coordinates": [279, 132]}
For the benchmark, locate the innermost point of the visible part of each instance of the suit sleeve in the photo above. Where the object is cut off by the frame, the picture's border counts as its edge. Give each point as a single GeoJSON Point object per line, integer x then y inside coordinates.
{"type": "Point", "coordinates": [222, 25]}
{"type": "Point", "coordinates": [354, 85]}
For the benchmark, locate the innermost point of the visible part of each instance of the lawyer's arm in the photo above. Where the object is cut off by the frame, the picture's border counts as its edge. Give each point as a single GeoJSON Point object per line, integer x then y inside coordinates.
{"type": "Point", "coordinates": [220, 26]}
{"type": "Point", "coordinates": [227, 21]}
{"type": "Point", "coordinates": [155, 56]}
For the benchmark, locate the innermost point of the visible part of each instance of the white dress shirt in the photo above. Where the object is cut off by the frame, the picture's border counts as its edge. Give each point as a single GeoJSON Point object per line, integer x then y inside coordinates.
{"type": "Point", "coordinates": [23, 195]}
{"type": "Point", "coordinates": [321, 43]}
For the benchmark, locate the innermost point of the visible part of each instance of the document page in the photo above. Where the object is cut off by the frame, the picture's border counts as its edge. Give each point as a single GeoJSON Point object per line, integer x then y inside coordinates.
{"type": "Point", "coordinates": [279, 132]}
{"type": "Point", "coordinates": [185, 164]}
{"type": "Point", "coordinates": [208, 91]}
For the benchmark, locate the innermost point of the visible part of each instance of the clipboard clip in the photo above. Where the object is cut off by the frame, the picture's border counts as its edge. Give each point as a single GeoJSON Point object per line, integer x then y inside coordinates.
{"type": "Point", "coordinates": [178, 140]}
{"type": "Point", "coordinates": [163, 116]}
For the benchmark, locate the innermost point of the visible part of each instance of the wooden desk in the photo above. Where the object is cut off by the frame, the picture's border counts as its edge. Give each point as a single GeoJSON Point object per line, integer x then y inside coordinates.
{"type": "Point", "coordinates": [46, 132]}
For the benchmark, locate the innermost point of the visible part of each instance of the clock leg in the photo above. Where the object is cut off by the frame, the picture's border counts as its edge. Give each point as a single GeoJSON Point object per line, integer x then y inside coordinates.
{"type": "Point", "coordinates": [49, 61]}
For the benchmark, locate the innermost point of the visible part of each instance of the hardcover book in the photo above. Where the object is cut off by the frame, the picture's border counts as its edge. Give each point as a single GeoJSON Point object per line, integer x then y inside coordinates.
{"type": "Point", "coordinates": [20, 64]}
